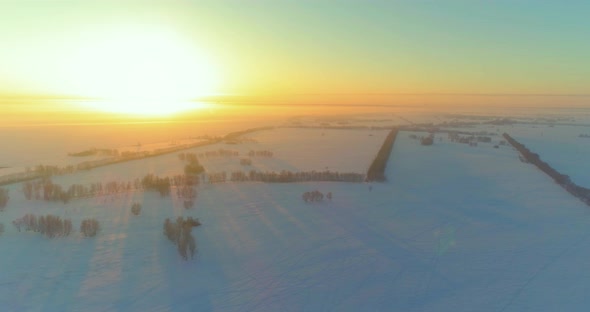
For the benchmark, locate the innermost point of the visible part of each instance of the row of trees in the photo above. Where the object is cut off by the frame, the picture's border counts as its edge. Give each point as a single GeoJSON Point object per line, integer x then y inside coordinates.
{"type": "Point", "coordinates": [376, 170]}
{"type": "Point", "coordinates": [49, 170]}
{"type": "Point", "coordinates": [219, 153]}
{"type": "Point", "coordinates": [223, 153]}
{"type": "Point", "coordinates": [563, 180]}
{"type": "Point", "coordinates": [45, 189]}
{"type": "Point", "coordinates": [96, 151]}
{"type": "Point", "coordinates": [469, 139]}
{"type": "Point", "coordinates": [284, 176]}
{"type": "Point", "coordinates": [315, 196]}
{"type": "Point", "coordinates": [179, 233]}
{"type": "Point", "coordinates": [152, 182]}
{"type": "Point", "coordinates": [260, 153]}
{"type": "Point", "coordinates": [49, 225]}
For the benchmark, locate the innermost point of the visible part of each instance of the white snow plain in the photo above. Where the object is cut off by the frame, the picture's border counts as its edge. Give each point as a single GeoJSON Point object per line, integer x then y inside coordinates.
{"type": "Point", "coordinates": [455, 228]}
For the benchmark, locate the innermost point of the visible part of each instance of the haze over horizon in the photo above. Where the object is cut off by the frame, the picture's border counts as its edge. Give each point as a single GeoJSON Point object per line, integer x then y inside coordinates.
{"type": "Point", "coordinates": [165, 53]}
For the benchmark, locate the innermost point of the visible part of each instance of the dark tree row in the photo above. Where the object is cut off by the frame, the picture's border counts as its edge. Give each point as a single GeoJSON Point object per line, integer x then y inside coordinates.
{"type": "Point", "coordinates": [48, 225]}
{"type": "Point", "coordinates": [179, 233]}
{"type": "Point", "coordinates": [315, 196]}
{"type": "Point", "coordinates": [48, 170]}
{"type": "Point", "coordinates": [469, 139]}
{"type": "Point", "coordinates": [45, 189]}
{"type": "Point", "coordinates": [154, 183]}
{"type": "Point", "coordinates": [563, 180]}
{"type": "Point", "coordinates": [261, 153]}
{"type": "Point", "coordinates": [284, 176]}
{"type": "Point", "coordinates": [95, 151]}
{"type": "Point", "coordinates": [219, 153]}
{"type": "Point", "coordinates": [376, 171]}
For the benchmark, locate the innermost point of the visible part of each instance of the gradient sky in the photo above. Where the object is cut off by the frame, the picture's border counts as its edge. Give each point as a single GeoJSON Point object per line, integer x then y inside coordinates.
{"type": "Point", "coordinates": [336, 49]}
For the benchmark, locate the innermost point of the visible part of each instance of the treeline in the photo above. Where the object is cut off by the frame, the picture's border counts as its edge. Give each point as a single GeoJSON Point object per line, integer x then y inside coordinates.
{"type": "Point", "coordinates": [223, 153]}
{"type": "Point", "coordinates": [52, 226]}
{"type": "Point", "coordinates": [49, 225]}
{"type": "Point", "coordinates": [220, 153]}
{"type": "Point", "coordinates": [235, 135]}
{"type": "Point", "coordinates": [260, 153]}
{"type": "Point", "coordinates": [95, 151]}
{"type": "Point", "coordinates": [315, 196]}
{"type": "Point", "coordinates": [376, 171]}
{"type": "Point", "coordinates": [563, 180]}
{"type": "Point", "coordinates": [283, 176]}
{"type": "Point", "coordinates": [49, 170]}
{"type": "Point", "coordinates": [46, 189]}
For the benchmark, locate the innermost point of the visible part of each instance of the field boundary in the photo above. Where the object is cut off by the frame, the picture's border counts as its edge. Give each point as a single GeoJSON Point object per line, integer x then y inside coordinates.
{"type": "Point", "coordinates": [562, 179]}
{"type": "Point", "coordinates": [376, 171]}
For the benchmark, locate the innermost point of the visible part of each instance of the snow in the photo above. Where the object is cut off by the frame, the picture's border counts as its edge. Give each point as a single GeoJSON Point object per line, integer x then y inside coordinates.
{"type": "Point", "coordinates": [455, 228]}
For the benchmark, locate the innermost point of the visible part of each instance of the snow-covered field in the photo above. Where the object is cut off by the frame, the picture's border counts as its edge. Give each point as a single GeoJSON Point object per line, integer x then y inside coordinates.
{"type": "Point", "coordinates": [455, 228]}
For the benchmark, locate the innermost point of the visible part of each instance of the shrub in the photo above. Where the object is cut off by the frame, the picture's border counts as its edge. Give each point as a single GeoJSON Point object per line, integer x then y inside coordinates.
{"type": "Point", "coordinates": [171, 230]}
{"type": "Point", "coordinates": [193, 168]}
{"type": "Point", "coordinates": [136, 208]}
{"type": "Point", "coordinates": [3, 198]}
{"type": "Point", "coordinates": [89, 227]}
{"type": "Point", "coordinates": [314, 196]}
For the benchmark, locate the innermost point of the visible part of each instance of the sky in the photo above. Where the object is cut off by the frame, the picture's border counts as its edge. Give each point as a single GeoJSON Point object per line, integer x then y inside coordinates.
{"type": "Point", "coordinates": [287, 51]}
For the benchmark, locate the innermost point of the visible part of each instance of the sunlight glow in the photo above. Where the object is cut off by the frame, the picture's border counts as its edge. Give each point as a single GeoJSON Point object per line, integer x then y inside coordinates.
{"type": "Point", "coordinates": [142, 73]}
{"type": "Point", "coordinates": [144, 106]}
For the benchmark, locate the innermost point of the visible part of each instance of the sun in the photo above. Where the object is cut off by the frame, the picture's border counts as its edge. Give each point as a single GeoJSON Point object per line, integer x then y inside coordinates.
{"type": "Point", "coordinates": [141, 72]}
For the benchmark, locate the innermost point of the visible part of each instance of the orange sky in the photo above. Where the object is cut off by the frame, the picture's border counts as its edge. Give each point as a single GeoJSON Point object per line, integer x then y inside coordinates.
{"type": "Point", "coordinates": [160, 54]}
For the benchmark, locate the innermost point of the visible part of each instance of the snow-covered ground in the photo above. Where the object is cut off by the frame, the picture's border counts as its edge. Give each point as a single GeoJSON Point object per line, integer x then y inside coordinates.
{"type": "Point", "coordinates": [455, 228]}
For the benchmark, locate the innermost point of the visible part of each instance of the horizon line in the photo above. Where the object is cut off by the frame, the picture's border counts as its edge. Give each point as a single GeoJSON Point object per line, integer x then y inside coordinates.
{"type": "Point", "coordinates": [219, 96]}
